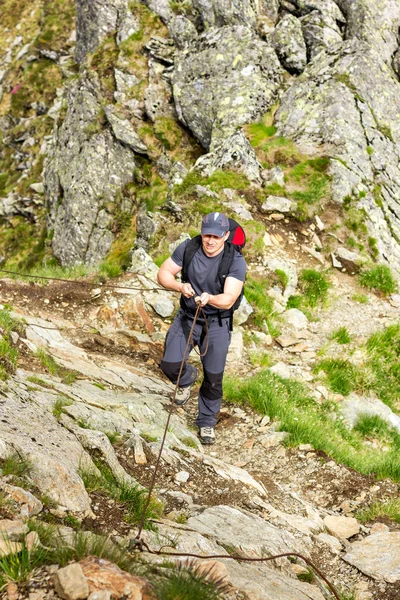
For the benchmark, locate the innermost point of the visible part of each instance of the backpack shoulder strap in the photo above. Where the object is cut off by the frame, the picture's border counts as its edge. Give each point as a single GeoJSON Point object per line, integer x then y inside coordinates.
{"type": "Point", "coordinates": [225, 264]}
{"type": "Point", "coordinates": [190, 251]}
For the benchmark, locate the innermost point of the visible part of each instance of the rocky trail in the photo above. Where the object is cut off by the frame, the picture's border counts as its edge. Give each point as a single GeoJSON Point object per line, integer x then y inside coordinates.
{"type": "Point", "coordinates": [246, 494]}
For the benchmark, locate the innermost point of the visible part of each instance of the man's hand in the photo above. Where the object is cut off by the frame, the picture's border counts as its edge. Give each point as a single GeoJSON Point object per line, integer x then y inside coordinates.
{"type": "Point", "coordinates": [203, 299]}
{"type": "Point", "coordinates": [187, 290]}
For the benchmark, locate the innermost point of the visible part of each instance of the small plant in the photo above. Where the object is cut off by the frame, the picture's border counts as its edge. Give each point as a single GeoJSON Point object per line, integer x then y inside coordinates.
{"type": "Point", "coordinates": [379, 278]}
{"type": "Point", "coordinates": [19, 566]}
{"type": "Point", "coordinates": [282, 277]}
{"type": "Point", "coordinates": [59, 406]}
{"type": "Point", "coordinates": [263, 305]}
{"type": "Point", "coordinates": [190, 583]}
{"type": "Point", "coordinates": [341, 336]}
{"type": "Point", "coordinates": [260, 359]}
{"type": "Point", "coordinates": [15, 465]}
{"type": "Point", "coordinates": [361, 298]}
{"type": "Point", "coordinates": [72, 521]}
{"type": "Point", "coordinates": [308, 576]}
{"type": "Point", "coordinates": [8, 358]}
{"type": "Point", "coordinates": [41, 382]}
{"type": "Point", "coordinates": [99, 385]}
{"type": "Point", "coordinates": [188, 441]}
{"type": "Point", "coordinates": [389, 509]}
{"type": "Point", "coordinates": [371, 426]}
{"type": "Point", "coordinates": [314, 286]}
{"type": "Point", "coordinates": [341, 374]}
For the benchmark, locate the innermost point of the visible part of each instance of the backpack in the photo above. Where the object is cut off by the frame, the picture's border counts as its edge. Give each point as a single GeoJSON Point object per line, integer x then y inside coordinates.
{"type": "Point", "coordinates": [236, 241]}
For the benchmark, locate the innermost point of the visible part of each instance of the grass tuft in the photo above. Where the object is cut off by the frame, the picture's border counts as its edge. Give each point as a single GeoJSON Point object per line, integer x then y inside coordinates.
{"type": "Point", "coordinates": [190, 583]}
{"type": "Point", "coordinates": [341, 336]}
{"type": "Point", "coordinates": [380, 279]}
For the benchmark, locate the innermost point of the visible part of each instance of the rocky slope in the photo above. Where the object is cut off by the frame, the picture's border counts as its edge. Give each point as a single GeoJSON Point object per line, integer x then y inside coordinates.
{"type": "Point", "coordinates": [247, 494]}
{"type": "Point", "coordinates": [122, 122]}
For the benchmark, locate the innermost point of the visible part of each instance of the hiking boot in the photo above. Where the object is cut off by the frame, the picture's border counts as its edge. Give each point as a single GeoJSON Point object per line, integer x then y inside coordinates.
{"type": "Point", "coordinates": [182, 395]}
{"type": "Point", "coordinates": [207, 435]}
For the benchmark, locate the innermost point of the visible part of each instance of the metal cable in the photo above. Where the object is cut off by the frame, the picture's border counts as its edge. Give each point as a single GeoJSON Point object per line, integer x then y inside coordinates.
{"type": "Point", "coordinates": [76, 282]}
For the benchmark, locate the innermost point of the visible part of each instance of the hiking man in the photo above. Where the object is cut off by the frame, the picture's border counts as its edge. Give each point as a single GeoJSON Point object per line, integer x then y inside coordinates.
{"type": "Point", "coordinates": [202, 285]}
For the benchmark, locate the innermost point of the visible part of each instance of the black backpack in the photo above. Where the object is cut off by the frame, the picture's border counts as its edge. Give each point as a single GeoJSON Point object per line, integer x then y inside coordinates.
{"type": "Point", "coordinates": [236, 241]}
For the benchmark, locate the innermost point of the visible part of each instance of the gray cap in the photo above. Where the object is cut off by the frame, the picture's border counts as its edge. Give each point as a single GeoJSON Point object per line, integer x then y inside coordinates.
{"type": "Point", "coordinates": [215, 224]}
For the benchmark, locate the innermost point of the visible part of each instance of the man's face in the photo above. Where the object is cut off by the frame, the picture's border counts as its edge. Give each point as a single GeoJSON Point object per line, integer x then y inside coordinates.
{"type": "Point", "coordinates": [212, 244]}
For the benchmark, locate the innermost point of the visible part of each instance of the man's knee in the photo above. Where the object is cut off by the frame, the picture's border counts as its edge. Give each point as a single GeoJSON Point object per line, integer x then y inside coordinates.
{"type": "Point", "coordinates": [211, 387]}
{"type": "Point", "coordinates": [170, 369]}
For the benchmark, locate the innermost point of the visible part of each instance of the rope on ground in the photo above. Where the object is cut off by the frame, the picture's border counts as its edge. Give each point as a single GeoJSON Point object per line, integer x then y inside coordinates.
{"type": "Point", "coordinates": [88, 283]}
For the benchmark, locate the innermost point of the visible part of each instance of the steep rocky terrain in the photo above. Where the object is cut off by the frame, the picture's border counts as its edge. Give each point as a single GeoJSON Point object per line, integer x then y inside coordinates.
{"type": "Point", "coordinates": [122, 122]}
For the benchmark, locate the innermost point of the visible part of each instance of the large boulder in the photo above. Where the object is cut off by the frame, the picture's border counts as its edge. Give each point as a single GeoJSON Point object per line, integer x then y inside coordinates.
{"type": "Point", "coordinates": [289, 44]}
{"type": "Point", "coordinates": [226, 12]}
{"type": "Point", "coordinates": [86, 168]}
{"type": "Point", "coordinates": [224, 78]}
{"type": "Point", "coordinates": [95, 19]}
{"type": "Point", "coordinates": [347, 101]}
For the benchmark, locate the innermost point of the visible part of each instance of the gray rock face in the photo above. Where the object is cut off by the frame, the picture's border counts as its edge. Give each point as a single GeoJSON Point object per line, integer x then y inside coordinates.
{"type": "Point", "coordinates": [83, 174]}
{"type": "Point", "coordinates": [95, 19]}
{"type": "Point", "coordinates": [218, 13]}
{"type": "Point", "coordinates": [226, 77]}
{"type": "Point", "coordinates": [234, 153]}
{"type": "Point", "coordinates": [377, 556]}
{"type": "Point", "coordinates": [182, 31]}
{"type": "Point", "coordinates": [289, 44]}
{"type": "Point", "coordinates": [346, 99]}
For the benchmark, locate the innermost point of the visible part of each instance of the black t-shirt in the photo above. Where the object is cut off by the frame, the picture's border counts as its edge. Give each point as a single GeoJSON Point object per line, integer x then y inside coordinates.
{"type": "Point", "coordinates": [202, 274]}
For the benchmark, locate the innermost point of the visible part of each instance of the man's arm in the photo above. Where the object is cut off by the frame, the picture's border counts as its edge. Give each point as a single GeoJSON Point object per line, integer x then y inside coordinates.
{"type": "Point", "coordinates": [166, 277]}
{"type": "Point", "coordinates": [227, 299]}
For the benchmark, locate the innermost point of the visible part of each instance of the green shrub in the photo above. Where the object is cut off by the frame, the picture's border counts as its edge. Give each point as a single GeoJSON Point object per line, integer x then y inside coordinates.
{"type": "Point", "coordinates": [389, 509]}
{"type": "Point", "coordinates": [59, 404]}
{"type": "Point", "coordinates": [15, 465]}
{"type": "Point", "coordinates": [263, 305]}
{"type": "Point", "coordinates": [314, 288]}
{"type": "Point", "coordinates": [379, 278]}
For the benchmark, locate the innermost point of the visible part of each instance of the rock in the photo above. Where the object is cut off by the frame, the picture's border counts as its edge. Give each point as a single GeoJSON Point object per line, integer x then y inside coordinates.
{"type": "Point", "coordinates": [124, 132]}
{"type": "Point", "coordinates": [350, 260]}
{"type": "Point", "coordinates": [243, 312]}
{"type": "Point", "coordinates": [281, 369]}
{"type": "Point", "coordinates": [235, 352]}
{"type": "Point", "coordinates": [37, 187]}
{"type": "Point", "coordinates": [101, 574]}
{"type": "Point", "coordinates": [289, 44]}
{"type": "Point", "coordinates": [286, 340]}
{"type": "Point", "coordinates": [7, 547]}
{"type": "Point", "coordinates": [161, 303]}
{"type": "Point", "coordinates": [218, 14]}
{"type": "Point", "coordinates": [295, 318]}
{"type": "Point", "coordinates": [135, 442]}
{"type": "Point", "coordinates": [342, 527]}
{"type": "Point", "coordinates": [70, 582]}
{"type": "Point", "coordinates": [234, 153]}
{"type": "Point", "coordinates": [354, 406]}
{"type": "Point", "coordinates": [225, 78]}
{"type": "Point", "coordinates": [273, 439]}
{"type": "Point", "coordinates": [182, 477]}
{"type": "Point", "coordinates": [32, 541]}
{"type": "Point", "coordinates": [83, 168]}
{"type": "Point", "coordinates": [321, 28]}
{"type": "Point", "coordinates": [29, 505]}
{"type": "Point", "coordinates": [283, 205]}
{"type": "Point", "coordinates": [12, 530]}
{"type": "Point", "coordinates": [377, 556]}
{"type": "Point", "coordinates": [332, 542]}
{"type": "Point", "coordinates": [100, 595]}
{"type": "Point", "coordinates": [124, 81]}
{"type": "Point", "coordinates": [182, 31]}
{"type": "Point", "coordinates": [143, 264]}
{"type": "Point", "coordinates": [211, 569]}
{"type": "Point", "coordinates": [96, 19]}
{"type": "Point", "coordinates": [274, 175]}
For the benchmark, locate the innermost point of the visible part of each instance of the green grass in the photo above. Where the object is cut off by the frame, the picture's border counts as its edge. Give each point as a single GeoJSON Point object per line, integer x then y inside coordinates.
{"type": "Point", "coordinates": [130, 495]}
{"type": "Point", "coordinates": [262, 304]}
{"type": "Point", "coordinates": [260, 359]}
{"type": "Point", "coordinates": [389, 509]}
{"type": "Point", "coordinates": [52, 367]}
{"type": "Point", "coordinates": [314, 287]}
{"type": "Point", "coordinates": [15, 465]}
{"type": "Point", "coordinates": [8, 358]}
{"type": "Point", "coordinates": [379, 279]}
{"type": "Point", "coordinates": [189, 583]}
{"type": "Point", "coordinates": [290, 403]}
{"type": "Point", "coordinates": [19, 567]}
{"type": "Point", "coordinates": [341, 336]}
{"type": "Point", "coordinates": [361, 298]}
{"type": "Point", "coordinates": [41, 382]}
{"type": "Point", "coordinates": [59, 404]}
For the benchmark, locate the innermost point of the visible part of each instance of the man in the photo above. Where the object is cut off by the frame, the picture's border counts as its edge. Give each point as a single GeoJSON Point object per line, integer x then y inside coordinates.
{"type": "Point", "coordinates": [202, 287]}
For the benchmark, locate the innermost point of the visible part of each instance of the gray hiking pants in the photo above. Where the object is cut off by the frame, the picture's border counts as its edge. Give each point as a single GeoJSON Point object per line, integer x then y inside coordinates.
{"type": "Point", "coordinates": [219, 337]}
